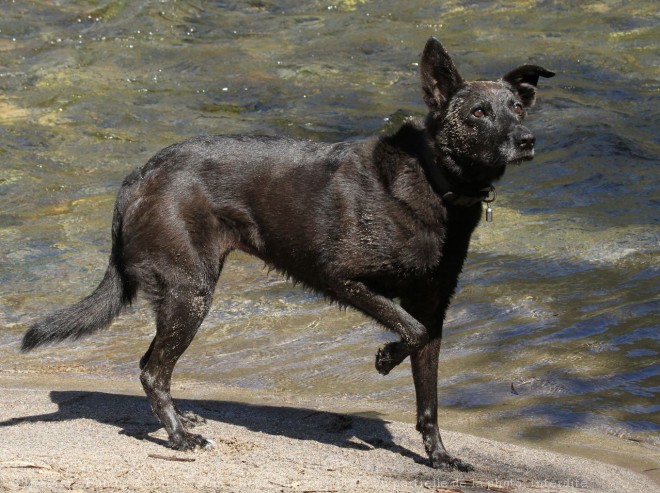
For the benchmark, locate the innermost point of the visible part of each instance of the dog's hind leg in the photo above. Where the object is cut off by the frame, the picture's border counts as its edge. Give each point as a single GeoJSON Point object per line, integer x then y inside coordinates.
{"type": "Point", "coordinates": [188, 418]}
{"type": "Point", "coordinates": [178, 316]}
{"type": "Point", "coordinates": [179, 246]}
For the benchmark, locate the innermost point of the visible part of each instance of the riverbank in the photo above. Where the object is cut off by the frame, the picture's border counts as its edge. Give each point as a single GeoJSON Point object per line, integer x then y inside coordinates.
{"type": "Point", "coordinates": [90, 435]}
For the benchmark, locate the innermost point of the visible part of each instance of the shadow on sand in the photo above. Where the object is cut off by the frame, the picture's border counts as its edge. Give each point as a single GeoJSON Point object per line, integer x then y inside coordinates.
{"type": "Point", "coordinates": [131, 414]}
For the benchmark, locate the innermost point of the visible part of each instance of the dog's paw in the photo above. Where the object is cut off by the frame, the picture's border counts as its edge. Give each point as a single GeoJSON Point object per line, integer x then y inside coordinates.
{"type": "Point", "coordinates": [190, 441]}
{"type": "Point", "coordinates": [383, 363]}
{"type": "Point", "coordinates": [450, 463]}
{"type": "Point", "coordinates": [389, 357]}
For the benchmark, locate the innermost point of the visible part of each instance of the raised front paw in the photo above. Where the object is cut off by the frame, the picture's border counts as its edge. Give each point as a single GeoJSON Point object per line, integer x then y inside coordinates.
{"type": "Point", "coordinates": [390, 356]}
{"type": "Point", "coordinates": [191, 441]}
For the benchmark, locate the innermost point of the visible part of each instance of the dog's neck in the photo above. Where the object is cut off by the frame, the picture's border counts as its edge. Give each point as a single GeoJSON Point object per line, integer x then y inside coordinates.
{"type": "Point", "coordinates": [451, 192]}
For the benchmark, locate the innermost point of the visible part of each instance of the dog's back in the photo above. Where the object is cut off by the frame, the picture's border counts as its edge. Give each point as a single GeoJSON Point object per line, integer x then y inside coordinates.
{"type": "Point", "coordinates": [314, 211]}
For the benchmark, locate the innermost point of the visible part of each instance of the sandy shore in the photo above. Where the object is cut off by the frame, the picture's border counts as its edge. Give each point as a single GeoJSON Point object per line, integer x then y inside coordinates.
{"type": "Point", "coordinates": [103, 438]}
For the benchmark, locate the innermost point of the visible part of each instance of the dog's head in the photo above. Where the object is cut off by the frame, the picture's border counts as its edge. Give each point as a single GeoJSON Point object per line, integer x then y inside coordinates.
{"type": "Point", "coordinates": [477, 126]}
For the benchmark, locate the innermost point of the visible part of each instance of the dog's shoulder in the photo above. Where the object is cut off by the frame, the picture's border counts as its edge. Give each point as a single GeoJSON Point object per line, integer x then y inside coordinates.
{"type": "Point", "coordinates": [398, 159]}
{"type": "Point", "coordinates": [398, 154]}
{"type": "Point", "coordinates": [408, 138]}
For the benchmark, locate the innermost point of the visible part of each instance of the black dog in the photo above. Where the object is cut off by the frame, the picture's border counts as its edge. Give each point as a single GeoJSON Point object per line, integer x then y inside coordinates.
{"type": "Point", "coordinates": [362, 223]}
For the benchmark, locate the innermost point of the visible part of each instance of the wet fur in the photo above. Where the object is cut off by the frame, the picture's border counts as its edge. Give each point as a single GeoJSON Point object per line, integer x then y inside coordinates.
{"type": "Point", "coordinates": [361, 223]}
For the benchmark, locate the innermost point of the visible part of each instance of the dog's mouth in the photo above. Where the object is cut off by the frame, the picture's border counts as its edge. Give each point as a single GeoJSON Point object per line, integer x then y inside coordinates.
{"type": "Point", "coordinates": [521, 158]}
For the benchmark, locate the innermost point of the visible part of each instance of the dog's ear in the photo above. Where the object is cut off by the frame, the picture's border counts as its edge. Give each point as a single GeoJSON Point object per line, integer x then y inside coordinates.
{"type": "Point", "coordinates": [440, 78]}
{"type": "Point", "coordinates": [524, 79]}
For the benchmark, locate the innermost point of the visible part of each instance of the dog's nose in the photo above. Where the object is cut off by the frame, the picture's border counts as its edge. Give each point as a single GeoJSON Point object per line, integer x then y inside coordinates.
{"type": "Point", "coordinates": [526, 140]}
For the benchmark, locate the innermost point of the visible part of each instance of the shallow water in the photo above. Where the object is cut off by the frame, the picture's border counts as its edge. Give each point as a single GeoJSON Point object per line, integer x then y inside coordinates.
{"type": "Point", "coordinates": [555, 326]}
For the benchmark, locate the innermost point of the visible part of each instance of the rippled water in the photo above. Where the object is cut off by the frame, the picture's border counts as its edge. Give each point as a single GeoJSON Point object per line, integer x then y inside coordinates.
{"type": "Point", "coordinates": [556, 321]}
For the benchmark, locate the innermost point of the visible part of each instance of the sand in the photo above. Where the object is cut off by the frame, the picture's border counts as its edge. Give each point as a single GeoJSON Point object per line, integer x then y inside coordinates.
{"type": "Point", "coordinates": [103, 438]}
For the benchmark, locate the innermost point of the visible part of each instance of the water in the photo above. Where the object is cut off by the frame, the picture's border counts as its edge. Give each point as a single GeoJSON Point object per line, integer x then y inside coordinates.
{"type": "Point", "coordinates": [555, 326]}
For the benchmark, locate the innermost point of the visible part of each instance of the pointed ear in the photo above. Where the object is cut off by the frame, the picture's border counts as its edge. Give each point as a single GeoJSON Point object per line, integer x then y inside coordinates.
{"type": "Point", "coordinates": [440, 78]}
{"type": "Point", "coordinates": [524, 80]}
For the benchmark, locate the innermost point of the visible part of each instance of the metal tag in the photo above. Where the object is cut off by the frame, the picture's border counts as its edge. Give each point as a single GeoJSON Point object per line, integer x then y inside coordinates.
{"type": "Point", "coordinates": [489, 214]}
{"type": "Point", "coordinates": [488, 200]}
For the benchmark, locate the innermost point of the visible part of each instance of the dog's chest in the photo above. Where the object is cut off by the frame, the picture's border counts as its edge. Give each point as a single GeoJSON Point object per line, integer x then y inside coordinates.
{"type": "Point", "coordinates": [389, 242]}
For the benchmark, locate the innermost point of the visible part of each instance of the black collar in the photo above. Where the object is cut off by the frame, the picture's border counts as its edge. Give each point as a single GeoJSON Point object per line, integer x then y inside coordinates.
{"type": "Point", "coordinates": [450, 193]}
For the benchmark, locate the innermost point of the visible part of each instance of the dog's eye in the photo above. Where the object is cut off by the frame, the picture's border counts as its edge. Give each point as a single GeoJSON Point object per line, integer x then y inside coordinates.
{"type": "Point", "coordinates": [517, 107]}
{"type": "Point", "coordinates": [478, 113]}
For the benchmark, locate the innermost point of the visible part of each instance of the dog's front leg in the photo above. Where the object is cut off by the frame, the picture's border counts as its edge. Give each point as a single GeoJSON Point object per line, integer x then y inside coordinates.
{"type": "Point", "coordinates": [430, 308]}
{"type": "Point", "coordinates": [413, 334]}
{"type": "Point", "coordinates": [425, 374]}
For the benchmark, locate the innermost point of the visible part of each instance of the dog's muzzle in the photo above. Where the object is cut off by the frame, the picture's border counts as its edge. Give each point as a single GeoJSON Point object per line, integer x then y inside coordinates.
{"type": "Point", "coordinates": [523, 145]}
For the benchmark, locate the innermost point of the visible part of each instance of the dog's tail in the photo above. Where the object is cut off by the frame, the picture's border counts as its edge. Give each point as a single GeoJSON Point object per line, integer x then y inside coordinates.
{"type": "Point", "coordinates": [94, 312]}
